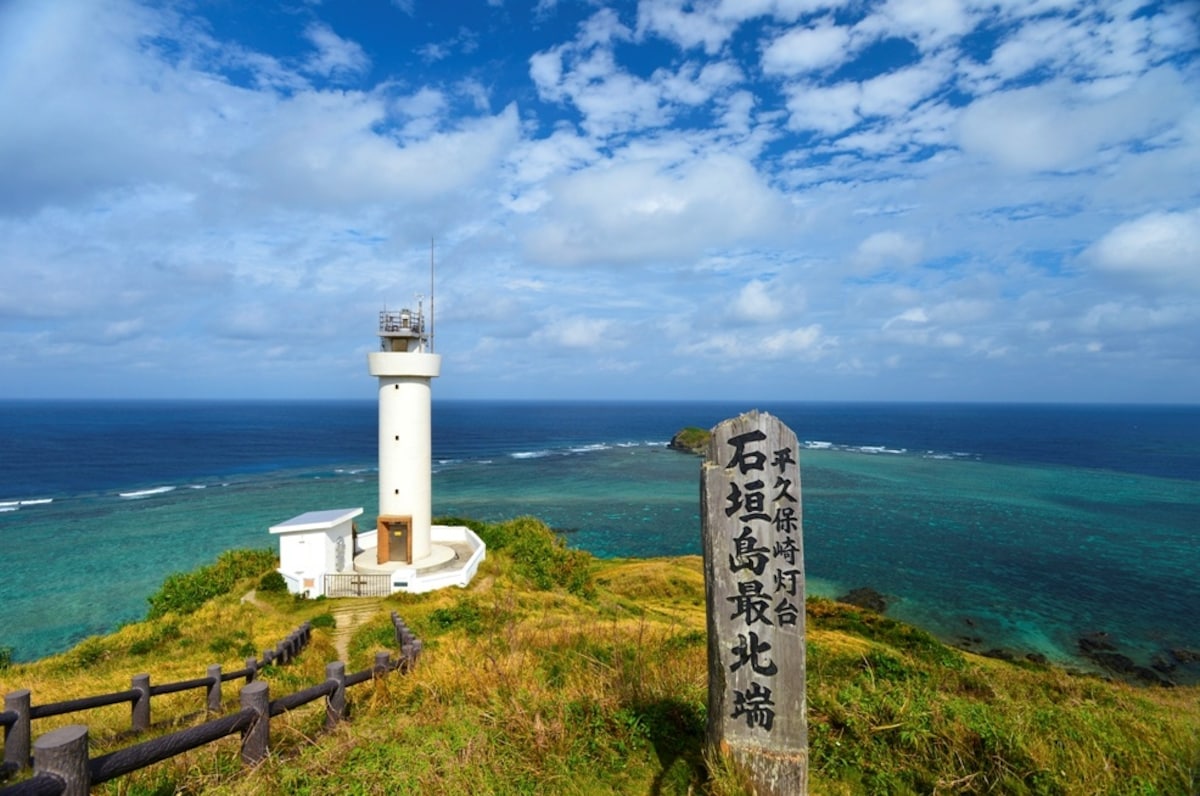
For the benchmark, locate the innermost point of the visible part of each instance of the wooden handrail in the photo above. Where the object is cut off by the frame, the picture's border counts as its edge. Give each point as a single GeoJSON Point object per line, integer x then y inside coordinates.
{"type": "Point", "coordinates": [62, 766]}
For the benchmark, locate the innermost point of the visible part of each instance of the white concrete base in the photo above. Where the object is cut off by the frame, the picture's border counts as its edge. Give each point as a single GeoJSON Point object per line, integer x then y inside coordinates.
{"type": "Point", "coordinates": [438, 554]}
{"type": "Point", "coordinates": [454, 558]}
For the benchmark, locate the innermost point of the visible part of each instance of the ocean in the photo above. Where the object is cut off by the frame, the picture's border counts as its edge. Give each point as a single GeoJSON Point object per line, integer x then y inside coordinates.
{"type": "Point", "coordinates": [1013, 527]}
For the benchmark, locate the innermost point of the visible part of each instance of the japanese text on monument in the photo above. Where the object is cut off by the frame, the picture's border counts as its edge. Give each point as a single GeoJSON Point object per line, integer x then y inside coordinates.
{"type": "Point", "coordinates": [755, 574]}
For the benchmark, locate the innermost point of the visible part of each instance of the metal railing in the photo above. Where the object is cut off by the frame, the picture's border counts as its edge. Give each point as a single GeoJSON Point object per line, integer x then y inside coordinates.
{"type": "Point", "coordinates": [356, 585]}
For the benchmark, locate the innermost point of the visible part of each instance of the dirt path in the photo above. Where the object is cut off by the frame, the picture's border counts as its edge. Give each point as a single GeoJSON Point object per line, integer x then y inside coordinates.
{"type": "Point", "coordinates": [252, 598]}
{"type": "Point", "coordinates": [350, 613]}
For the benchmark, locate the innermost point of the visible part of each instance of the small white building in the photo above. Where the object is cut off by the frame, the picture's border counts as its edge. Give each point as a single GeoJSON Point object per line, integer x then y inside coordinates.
{"type": "Point", "coordinates": [314, 544]}
{"type": "Point", "coordinates": [322, 554]}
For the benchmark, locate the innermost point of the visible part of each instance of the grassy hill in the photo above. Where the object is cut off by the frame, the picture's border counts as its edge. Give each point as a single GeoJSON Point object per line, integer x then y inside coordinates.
{"type": "Point", "coordinates": [559, 673]}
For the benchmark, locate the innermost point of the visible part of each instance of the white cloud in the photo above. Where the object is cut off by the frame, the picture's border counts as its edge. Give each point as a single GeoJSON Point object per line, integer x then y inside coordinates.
{"type": "Point", "coordinates": [828, 109]}
{"type": "Point", "coordinates": [757, 303]}
{"type": "Point", "coordinates": [586, 75]}
{"type": "Point", "coordinates": [886, 248]}
{"type": "Point", "coordinates": [1127, 316]}
{"type": "Point", "coordinates": [1058, 126]}
{"type": "Point", "coordinates": [806, 49]}
{"type": "Point", "coordinates": [609, 99]}
{"type": "Point", "coordinates": [802, 344]}
{"type": "Point", "coordinates": [335, 57]}
{"type": "Point", "coordinates": [704, 27]}
{"type": "Point", "coordinates": [931, 24]}
{"type": "Point", "coordinates": [319, 150]}
{"type": "Point", "coordinates": [895, 93]}
{"type": "Point", "coordinates": [578, 332]}
{"type": "Point", "coordinates": [842, 106]}
{"type": "Point", "coordinates": [1159, 249]}
{"type": "Point", "coordinates": [807, 342]}
{"type": "Point", "coordinates": [631, 212]}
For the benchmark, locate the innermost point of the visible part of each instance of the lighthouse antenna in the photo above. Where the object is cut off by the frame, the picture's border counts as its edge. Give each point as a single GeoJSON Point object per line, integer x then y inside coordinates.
{"type": "Point", "coordinates": [431, 295]}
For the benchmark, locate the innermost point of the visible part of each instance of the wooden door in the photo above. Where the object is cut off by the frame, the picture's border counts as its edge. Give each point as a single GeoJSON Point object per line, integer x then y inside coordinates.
{"type": "Point", "coordinates": [394, 536]}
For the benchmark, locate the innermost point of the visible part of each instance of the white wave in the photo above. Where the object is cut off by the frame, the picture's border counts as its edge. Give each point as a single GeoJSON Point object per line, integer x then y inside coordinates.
{"type": "Point", "coordinates": [14, 505]}
{"type": "Point", "coordinates": [878, 449]}
{"type": "Point", "coordinates": [197, 486]}
{"type": "Point", "coordinates": [598, 446]}
{"type": "Point", "coordinates": [141, 493]}
{"type": "Point", "coordinates": [819, 445]}
{"type": "Point", "coordinates": [529, 454]}
{"type": "Point", "coordinates": [628, 445]}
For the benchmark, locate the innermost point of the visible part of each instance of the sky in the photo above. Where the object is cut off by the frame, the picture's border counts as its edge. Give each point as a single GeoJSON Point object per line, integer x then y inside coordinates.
{"type": "Point", "coordinates": [907, 200]}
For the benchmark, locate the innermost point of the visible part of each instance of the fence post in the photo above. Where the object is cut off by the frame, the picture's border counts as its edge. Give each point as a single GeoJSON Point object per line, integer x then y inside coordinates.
{"type": "Point", "coordinates": [335, 703]}
{"type": "Point", "coordinates": [256, 739]}
{"type": "Point", "coordinates": [251, 669]}
{"type": "Point", "coordinates": [268, 656]}
{"type": "Point", "coordinates": [63, 753]}
{"type": "Point", "coordinates": [16, 737]}
{"type": "Point", "coordinates": [141, 703]}
{"type": "Point", "coordinates": [382, 664]}
{"type": "Point", "coordinates": [214, 688]}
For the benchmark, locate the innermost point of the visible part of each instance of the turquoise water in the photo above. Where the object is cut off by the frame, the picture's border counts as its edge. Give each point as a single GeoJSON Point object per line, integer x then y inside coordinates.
{"type": "Point", "coordinates": [1027, 556]}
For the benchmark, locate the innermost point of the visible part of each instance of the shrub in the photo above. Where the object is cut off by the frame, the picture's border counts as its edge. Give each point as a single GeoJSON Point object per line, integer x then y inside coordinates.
{"type": "Point", "coordinates": [323, 620]}
{"type": "Point", "coordinates": [184, 592]}
{"type": "Point", "coordinates": [272, 582]}
{"type": "Point", "coordinates": [160, 635]}
{"type": "Point", "coordinates": [541, 556]}
{"type": "Point", "coordinates": [6, 656]}
{"type": "Point", "coordinates": [465, 614]}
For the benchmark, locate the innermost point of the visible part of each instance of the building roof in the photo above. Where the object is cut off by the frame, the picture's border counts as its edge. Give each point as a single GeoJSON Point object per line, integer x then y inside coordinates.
{"type": "Point", "coordinates": [316, 520]}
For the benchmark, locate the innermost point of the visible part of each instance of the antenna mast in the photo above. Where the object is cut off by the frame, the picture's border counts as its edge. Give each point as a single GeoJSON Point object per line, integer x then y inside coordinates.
{"type": "Point", "coordinates": [431, 295]}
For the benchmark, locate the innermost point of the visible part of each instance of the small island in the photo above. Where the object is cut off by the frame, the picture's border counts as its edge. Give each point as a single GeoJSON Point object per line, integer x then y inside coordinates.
{"type": "Point", "coordinates": [690, 439]}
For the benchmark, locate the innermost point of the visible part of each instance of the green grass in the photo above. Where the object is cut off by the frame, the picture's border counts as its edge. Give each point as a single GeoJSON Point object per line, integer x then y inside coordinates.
{"type": "Point", "coordinates": [540, 685]}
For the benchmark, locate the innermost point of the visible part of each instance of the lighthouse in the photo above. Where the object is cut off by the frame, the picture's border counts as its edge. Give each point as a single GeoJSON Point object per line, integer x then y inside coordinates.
{"type": "Point", "coordinates": [405, 367]}
{"type": "Point", "coordinates": [405, 552]}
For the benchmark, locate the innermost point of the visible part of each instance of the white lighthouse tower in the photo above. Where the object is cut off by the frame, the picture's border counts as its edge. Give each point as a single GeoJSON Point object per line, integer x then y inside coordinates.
{"type": "Point", "coordinates": [404, 366]}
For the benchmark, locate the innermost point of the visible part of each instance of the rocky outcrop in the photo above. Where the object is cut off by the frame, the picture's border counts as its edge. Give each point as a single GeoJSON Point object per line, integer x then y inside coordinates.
{"type": "Point", "coordinates": [1100, 649]}
{"type": "Point", "coordinates": [690, 440]}
{"type": "Point", "coordinates": [865, 597]}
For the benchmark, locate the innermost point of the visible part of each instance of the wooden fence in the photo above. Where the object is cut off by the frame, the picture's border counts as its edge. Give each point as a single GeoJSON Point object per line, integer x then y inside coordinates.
{"type": "Point", "coordinates": [61, 766]}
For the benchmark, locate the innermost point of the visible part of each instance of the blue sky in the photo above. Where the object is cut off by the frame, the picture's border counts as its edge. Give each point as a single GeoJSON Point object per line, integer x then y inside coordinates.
{"type": "Point", "coordinates": [759, 199]}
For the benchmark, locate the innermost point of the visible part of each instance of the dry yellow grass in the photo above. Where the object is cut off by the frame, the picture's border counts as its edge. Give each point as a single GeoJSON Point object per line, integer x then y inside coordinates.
{"type": "Point", "coordinates": [540, 691]}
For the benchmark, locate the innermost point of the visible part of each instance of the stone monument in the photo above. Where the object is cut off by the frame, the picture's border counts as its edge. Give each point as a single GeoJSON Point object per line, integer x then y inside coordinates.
{"type": "Point", "coordinates": [754, 586]}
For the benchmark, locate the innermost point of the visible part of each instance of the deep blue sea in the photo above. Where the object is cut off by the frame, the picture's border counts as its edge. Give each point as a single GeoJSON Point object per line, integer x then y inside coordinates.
{"type": "Point", "coordinates": [1015, 527]}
